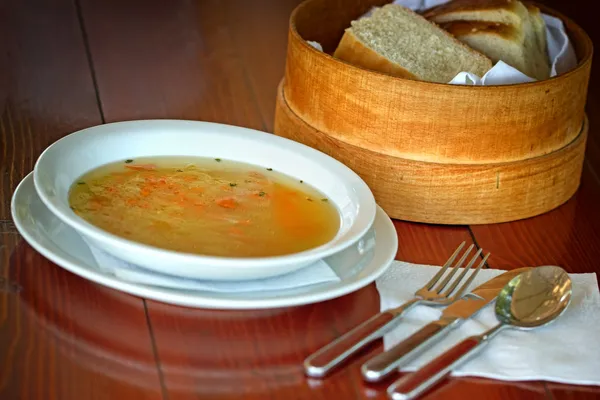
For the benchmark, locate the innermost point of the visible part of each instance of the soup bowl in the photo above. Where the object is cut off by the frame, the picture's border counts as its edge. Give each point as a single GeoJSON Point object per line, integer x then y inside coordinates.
{"type": "Point", "coordinates": [61, 164]}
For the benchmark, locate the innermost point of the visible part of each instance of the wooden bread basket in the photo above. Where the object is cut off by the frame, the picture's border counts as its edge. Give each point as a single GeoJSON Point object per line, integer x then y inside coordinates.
{"type": "Point", "coordinates": [436, 153]}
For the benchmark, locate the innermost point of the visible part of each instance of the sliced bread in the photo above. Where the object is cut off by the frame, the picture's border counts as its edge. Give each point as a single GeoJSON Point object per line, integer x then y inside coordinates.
{"type": "Point", "coordinates": [400, 42]}
{"type": "Point", "coordinates": [509, 12]}
{"type": "Point", "coordinates": [501, 29]}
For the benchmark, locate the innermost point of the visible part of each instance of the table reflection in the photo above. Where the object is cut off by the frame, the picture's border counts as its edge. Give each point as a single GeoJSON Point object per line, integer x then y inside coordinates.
{"type": "Point", "coordinates": [197, 351]}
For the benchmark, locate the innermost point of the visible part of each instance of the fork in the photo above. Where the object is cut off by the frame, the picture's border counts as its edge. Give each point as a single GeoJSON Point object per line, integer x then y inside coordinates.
{"type": "Point", "coordinates": [324, 360]}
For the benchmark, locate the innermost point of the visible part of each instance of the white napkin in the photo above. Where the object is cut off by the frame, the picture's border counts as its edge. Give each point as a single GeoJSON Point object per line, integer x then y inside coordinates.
{"type": "Point", "coordinates": [560, 52]}
{"type": "Point", "coordinates": [319, 272]}
{"type": "Point", "coordinates": [565, 351]}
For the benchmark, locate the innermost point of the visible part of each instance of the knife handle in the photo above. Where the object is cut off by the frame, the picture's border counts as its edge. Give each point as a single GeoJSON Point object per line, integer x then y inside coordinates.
{"type": "Point", "coordinates": [384, 364]}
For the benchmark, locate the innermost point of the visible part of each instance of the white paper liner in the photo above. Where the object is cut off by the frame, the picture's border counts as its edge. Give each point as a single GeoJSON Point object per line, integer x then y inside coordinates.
{"type": "Point", "coordinates": [560, 51]}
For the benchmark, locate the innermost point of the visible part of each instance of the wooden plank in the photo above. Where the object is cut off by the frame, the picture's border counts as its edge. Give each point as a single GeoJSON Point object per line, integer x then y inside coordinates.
{"type": "Point", "coordinates": [7, 226]}
{"type": "Point", "coordinates": [175, 59]}
{"type": "Point", "coordinates": [261, 49]}
{"type": "Point", "coordinates": [568, 236]}
{"type": "Point", "coordinates": [572, 392]}
{"type": "Point", "coordinates": [62, 337]}
{"type": "Point", "coordinates": [428, 244]}
{"type": "Point", "coordinates": [46, 90]}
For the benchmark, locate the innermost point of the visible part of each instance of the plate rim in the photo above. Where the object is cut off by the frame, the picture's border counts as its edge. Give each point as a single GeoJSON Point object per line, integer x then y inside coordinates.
{"type": "Point", "coordinates": [192, 300]}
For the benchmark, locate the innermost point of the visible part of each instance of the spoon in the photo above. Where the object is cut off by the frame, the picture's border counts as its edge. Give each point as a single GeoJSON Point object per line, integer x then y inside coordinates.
{"type": "Point", "coordinates": [532, 299]}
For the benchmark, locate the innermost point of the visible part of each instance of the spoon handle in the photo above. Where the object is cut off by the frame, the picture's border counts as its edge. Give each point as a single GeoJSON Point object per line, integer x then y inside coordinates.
{"type": "Point", "coordinates": [413, 384]}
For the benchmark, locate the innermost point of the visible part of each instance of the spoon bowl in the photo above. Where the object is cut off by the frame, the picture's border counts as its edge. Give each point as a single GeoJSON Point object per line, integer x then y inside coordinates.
{"type": "Point", "coordinates": [531, 299]}
{"type": "Point", "coordinates": [534, 298]}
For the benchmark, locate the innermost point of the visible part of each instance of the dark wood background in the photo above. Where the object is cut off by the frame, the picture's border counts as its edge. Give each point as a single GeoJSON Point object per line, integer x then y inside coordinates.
{"type": "Point", "coordinates": [71, 64]}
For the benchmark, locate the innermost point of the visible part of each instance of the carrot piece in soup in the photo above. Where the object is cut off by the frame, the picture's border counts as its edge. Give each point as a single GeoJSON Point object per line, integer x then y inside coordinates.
{"type": "Point", "coordinates": [236, 231]}
{"type": "Point", "coordinates": [227, 202]}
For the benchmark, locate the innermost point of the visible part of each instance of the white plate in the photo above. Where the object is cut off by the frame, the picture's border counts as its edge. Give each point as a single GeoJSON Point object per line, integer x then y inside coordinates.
{"type": "Point", "coordinates": [62, 245]}
{"type": "Point", "coordinates": [61, 164]}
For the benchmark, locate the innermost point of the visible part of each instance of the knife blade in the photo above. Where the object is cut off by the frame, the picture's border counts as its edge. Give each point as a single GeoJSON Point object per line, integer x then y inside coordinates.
{"type": "Point", "coordinates": [382, 365]}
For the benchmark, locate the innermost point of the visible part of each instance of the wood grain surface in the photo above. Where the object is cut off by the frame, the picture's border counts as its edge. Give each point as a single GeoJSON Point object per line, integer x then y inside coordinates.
{"type": "Point", "coordinates": [449, 193]}
{"type": "Point", "coordinates": [65, 338]}
{"type": "Point", "coordinates": [70, 65]}
{"type": "Point", "coordinates": [47, 89]}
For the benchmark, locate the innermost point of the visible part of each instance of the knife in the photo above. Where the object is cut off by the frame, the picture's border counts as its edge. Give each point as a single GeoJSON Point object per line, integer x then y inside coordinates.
{"type": "Point", "coordinates": [382, 365]}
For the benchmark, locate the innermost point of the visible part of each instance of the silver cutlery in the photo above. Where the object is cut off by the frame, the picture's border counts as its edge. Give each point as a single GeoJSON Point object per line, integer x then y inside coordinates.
{"type": "Point", "coordinates": [323, 361]}
{"type": "Point", "coordinates": [532, 299]}
{"type": "Point", "coordinates": [382, 365]}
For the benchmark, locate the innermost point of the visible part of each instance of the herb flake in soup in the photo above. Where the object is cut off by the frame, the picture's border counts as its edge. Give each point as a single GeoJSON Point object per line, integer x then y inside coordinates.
{"type": "Point", "coordinates": [205, 206]}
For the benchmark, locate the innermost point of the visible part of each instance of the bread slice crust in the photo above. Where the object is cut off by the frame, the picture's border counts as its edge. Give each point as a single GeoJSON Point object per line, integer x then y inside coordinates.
{"type": "Point", "coordinates": [504, 30]}
{"type": "Point", "coordinates": [397, 41]}
{"type": "Point", "coordinates": [355, 52]}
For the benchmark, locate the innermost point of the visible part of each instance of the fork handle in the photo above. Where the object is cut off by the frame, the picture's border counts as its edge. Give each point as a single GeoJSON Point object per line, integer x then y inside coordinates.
{"type": "Point", "coordinates": [323, 361]}
{"type": "Point", "coordinates": [384, 364]}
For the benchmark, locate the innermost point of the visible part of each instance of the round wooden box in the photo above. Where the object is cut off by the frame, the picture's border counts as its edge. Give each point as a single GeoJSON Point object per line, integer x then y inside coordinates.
{"type": "Point", "coordinates": [436, 153]}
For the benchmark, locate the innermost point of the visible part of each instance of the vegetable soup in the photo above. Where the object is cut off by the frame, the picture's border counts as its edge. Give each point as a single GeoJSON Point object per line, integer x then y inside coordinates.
{"type": "Point", "coordinates": [205, 206]}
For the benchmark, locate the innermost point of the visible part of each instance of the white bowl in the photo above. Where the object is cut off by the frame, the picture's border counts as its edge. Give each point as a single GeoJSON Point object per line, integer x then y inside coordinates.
{"type": "Point", "coordinates": [66, 160]}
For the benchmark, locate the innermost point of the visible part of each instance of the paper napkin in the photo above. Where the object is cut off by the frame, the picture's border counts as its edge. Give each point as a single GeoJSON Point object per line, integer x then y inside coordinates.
{"type": "Point", "coordinates": [319, 272]}
{"type": "Point", "coordinates": [565, 351]}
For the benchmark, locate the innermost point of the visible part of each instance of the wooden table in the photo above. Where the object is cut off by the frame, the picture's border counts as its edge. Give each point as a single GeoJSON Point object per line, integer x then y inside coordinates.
{"type": "Point", "coordinates": [67, 65]}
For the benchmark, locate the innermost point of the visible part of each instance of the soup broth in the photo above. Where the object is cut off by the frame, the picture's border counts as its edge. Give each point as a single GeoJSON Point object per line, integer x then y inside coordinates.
{"type": "Point", "coordinates": [205, 206]}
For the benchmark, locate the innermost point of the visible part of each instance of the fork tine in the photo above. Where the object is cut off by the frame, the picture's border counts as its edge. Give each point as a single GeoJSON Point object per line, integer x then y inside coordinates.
{"type": "Point", "coordinates": [437, 276]}
{"type": "Point", "coordinates": [464, 287]}
{"type": "Point", "coordinates": [455, 269]}
{"type": "Point", "coordinates": [458, 280]}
